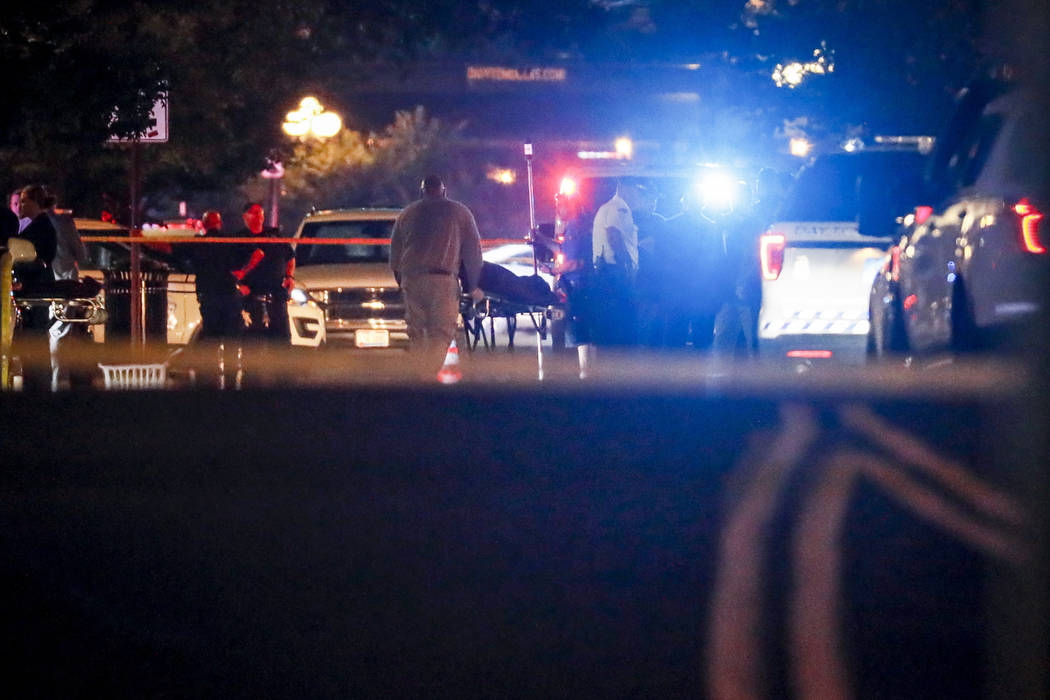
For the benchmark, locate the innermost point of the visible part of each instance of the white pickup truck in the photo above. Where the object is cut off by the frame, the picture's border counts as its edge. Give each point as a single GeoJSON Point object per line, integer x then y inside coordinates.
{"type": "Point", "coordinates": [818, 265]}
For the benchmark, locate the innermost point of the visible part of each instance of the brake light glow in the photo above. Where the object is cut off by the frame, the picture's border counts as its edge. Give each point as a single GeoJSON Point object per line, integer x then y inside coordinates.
{"type": "Point", "coordinates": [922, 214]}
{"type": "Point", "coordinates": [567, 187]}
{"type": "Point", "coordinates": [1030, 218]}
{"type": "Point", "coordinates": [810, 354]}
{"type": "Point", "coordinates": [771, 255]}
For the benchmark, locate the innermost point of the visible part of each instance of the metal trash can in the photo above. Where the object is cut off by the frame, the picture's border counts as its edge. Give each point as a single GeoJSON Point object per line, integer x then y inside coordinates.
{"type": "Point", "coordinates": [117, 284]}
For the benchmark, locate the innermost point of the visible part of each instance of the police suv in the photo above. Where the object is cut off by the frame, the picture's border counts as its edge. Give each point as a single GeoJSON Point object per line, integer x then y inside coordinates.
{"type": "Point", "coordinates": [818, 263]}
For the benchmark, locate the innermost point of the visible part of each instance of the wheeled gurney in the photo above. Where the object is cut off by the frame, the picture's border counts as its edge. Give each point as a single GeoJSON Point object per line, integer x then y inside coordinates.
{"type": "Point", "coordinates": [71, 301]}
{"type": "Point", "coordinates": [507, 296]}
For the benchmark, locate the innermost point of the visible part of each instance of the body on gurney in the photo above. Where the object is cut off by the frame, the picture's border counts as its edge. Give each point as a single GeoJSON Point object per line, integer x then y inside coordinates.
{"type": "Point", "coordinates": [506, 296]}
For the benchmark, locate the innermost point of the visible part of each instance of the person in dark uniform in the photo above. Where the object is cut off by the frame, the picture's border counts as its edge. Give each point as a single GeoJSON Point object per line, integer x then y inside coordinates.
{"type": "Point", "coordinates": [217, 293]}
{"type": "Point", "coordinates": [653, 259]}
{"type": "Point", "coordinates": [222, 322]}
{"type": "Point", "coordinates": [573, 268]}
{"type": "Point", "coordinates": [737, 323]}
{"type": "Point", "coordinates": [265, 272]}
{"type": "Point", "coordinates": [693, 283]}
{"type": "Point", "coordinates": [33, 204]}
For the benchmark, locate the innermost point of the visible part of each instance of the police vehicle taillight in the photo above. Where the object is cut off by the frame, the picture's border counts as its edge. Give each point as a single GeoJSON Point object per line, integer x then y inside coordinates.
{"type": "Point", "coordinates": [771, 255]}
{"type": "Point", "coordinates": [1030, 218]}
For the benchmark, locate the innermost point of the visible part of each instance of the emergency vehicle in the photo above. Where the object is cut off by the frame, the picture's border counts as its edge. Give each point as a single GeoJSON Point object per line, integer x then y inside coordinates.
{"type": "Point", "coordinates": [818, 264]}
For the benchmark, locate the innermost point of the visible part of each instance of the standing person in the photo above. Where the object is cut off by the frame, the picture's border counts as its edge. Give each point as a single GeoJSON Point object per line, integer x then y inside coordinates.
{"type": "Point", "coordinates": [434, 241]}
{"type": "Point", "coordinates": [265, 275]}
{"type": "Point", "coordinates": [573, 268]}
{"type": "Point", "coordinates": [14, 199]}
{"type": "Point", "coordinates": [70, 254]}
{"type": "Point", "coordinates": [33, 203]}
{"type": "Point", "coordinates": [217, 293]}
{"type": "Point", "coordinates": [653, 258]}
{"type": "Point", "coordinates": [692, 284]}
{"type": "Point", "coordinates": [615, 254]}
{"type": "Point", "coordinates": [737, 323]}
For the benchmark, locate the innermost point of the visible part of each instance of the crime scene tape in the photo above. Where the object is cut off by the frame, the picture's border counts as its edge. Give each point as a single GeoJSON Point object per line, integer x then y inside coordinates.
{"type": "Point", "coordinates": [485, 242]}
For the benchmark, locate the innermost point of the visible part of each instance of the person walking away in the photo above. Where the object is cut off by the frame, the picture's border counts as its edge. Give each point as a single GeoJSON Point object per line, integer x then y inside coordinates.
{"type": "Point", "coordinates": [435, 242]}
{"type": "Point", "coordinates": [265, 274]}
{"type": "Point", "coordinates": [63, 336]}
{"type": "Point", "coordinates": [222, 323]}
{"type": "Point", "coordinates": [615, 255]}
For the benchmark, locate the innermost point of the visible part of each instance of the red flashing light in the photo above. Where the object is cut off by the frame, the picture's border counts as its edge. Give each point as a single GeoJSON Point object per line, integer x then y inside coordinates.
{"type": "Point", "coordinates": [909, 301]}
{"type": "Point", "coordinates": [923, 213]}
{"type": "Point", "coordinates": [771, 255]}
{"type": "Point", "coordinates": [1030, 218]}
{"type": "Point", "coordinates": [568, 187]}
{"type": "Point", "coordinates": [895, 263]}
{"type": "Point", "coordinates": [810, 354]}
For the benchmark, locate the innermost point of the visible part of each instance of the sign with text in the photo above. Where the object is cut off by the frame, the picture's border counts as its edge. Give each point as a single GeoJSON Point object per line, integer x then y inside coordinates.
{"type": "Point", "coordinates": [157, 132]}
{"type": "Point", "coordinates": [505, 74]}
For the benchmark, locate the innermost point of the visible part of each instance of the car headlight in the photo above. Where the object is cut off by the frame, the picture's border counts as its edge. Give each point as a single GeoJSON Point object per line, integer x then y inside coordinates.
{"type": "Point", "coordinates": [299, 296]}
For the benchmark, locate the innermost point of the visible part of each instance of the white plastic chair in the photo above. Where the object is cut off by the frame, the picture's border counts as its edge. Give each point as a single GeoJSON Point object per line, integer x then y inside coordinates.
{"type": "Point", "coordinates": [121, 377]}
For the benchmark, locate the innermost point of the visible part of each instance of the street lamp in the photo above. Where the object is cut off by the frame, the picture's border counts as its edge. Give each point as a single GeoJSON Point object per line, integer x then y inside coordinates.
{"type": "Point", "coordinates": [309, 121]}
{"type": "Point", "coordinates": [800, 147]}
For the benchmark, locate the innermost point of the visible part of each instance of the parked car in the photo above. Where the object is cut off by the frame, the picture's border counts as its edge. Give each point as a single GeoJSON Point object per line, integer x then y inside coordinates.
{"type": "Point", "coordinates": [968, 270]}
{"type": "Point", "coordinates": [351, 281]}
{"type": "Point", "coordinates": [818, 258]}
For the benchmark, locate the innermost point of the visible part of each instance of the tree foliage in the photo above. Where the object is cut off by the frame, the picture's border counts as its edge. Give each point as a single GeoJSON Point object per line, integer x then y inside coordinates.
{"type": "Point", "coordinates": [231, 69]}
{"type": "Point", "coordinates": [355, 167]}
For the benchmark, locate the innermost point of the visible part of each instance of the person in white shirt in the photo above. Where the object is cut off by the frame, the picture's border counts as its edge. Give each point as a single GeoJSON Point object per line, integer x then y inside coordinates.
{"type": "Point", "coordinates": [615, 253]}
{"type": "Point", "coordinates": [614, 235]}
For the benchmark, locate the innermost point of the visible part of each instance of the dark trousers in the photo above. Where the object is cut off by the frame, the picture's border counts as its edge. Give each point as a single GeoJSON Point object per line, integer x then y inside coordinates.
{"type": "Point", "coordinates": [614, 308]}
{"type": "Point", "coordinates": [269, 316]}
{"type": "Point", "coordinates": [221, 316]}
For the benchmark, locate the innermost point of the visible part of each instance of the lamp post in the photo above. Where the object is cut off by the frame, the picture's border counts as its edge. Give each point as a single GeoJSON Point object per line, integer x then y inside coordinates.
{"type": "Point", "coordinates": [311, 120]}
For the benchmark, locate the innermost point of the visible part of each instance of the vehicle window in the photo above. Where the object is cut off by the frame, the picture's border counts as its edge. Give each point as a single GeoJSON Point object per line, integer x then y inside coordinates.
{"type": "Point", "coordinates": [344, 253]}
{"type": "Point", "coordinates": [965, 163]}
{"type": "Point", "coordinates": [827, 190]}
{"type": "Point", "coordinates": [1020, 166]}
{"type": "Point", "coordinates": [117, 256]}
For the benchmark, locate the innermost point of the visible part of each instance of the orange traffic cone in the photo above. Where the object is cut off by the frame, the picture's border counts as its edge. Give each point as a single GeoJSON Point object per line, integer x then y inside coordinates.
{"type": "Point", "coordinates": [449, 372]}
